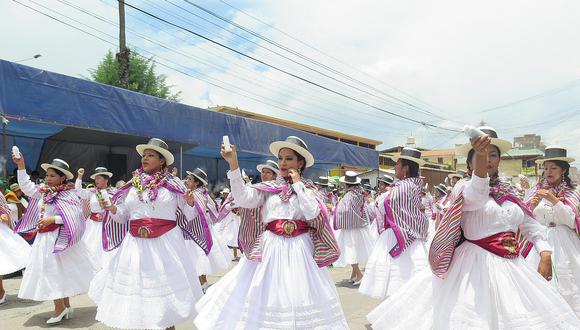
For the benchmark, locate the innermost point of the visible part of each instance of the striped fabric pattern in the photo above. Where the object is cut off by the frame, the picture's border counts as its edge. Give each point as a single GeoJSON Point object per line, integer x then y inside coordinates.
{"type": "Point", "coordinates": [350, 213]}
{"type": "Point", "coordinates": [449, 235]}
{"type": "Point", "coordinates": [326, 249]}
{"type": "Point", "coordinates": [4, 209]}
{"type": "Point", "coordinates": [208, 204]}
{"type": "Point", "coordinates": [568, 196]}
{"type": "Point", "coordinates": [68, 207]}
{"type": "Point", "coordinates": [195, 229]}
{"type": "Point", "coordinates": [403, 214]}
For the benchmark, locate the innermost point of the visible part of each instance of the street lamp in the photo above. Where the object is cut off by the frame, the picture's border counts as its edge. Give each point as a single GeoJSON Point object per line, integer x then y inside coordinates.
{"type": "Point", "coordinates": [30, 58]}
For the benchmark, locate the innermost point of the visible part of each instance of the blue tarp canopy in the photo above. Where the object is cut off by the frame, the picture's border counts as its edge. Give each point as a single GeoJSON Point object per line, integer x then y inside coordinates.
{"type": "Point", "coordinates": [41, 105]}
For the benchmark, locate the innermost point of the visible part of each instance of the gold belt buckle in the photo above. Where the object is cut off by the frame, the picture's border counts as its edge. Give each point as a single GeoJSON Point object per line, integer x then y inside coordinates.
{"type": "Point", "coordinates": [143, 232]}
{"type": "Point", "coordinates": [289, 227]}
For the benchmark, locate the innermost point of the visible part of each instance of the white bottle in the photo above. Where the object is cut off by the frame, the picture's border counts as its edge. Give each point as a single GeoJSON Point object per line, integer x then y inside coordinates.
{"type": "Point", "coordinates": [16, 152]}
{"type": "Point", "coordinates": [472, 132]}
{"type": "Point", "coordinates": [227, 146]}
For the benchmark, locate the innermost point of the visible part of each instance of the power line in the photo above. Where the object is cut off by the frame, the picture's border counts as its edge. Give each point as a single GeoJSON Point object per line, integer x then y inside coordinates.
{"type": "Point", "coordinates": [322, 104]}
{"type": "Point", "coordinates": [325, 54]}
{"type": "Point", "coordinates": [572, 84]}
{"type": "Point", "coordinates": [304, 57]}
{"type": "Point", "coordinates": [287, 72]}
{"type": "Point", "coordinates": [389, 102]}
{"type": "Point", "coordinates": [176, 67]}
{"type": "Point", "coordinates": [177, 51]}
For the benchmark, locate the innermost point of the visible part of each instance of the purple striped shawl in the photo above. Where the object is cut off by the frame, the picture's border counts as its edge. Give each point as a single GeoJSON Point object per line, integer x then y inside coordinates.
{"type": "Point", "coordinates": [403, 214]}
{"type": "Point", "coordinates": [252, 227]}
{"type": "Point", "coordinates": [195, 229]}
{"type": "Point", "coordinates": [207, 203]}
{"type": "Point", "coordinates": [327, 196]}
{"type": "Point", "coordinates": [449, 235]}
{"type": "Point", "coordinates": [350, 213]}
{"type": "Point", "coordinates": [68, 207]}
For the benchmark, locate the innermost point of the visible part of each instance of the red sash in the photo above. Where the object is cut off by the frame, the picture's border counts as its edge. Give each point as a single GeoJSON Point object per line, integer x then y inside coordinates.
{"type": "Point", "coordinates": [288, 228]}
{"type": "Point", "coordinates": [150, 227]}
{"type": "Point", "coordinates": [49, 228]}
{"type": "Point", "coordinates": [502, 244]}
{"type": "Point", "coordinates": [98, 217]}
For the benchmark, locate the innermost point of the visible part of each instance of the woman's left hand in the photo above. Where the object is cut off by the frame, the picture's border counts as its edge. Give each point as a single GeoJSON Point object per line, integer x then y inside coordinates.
{"type": "Point", "coordinates": [43, 222]}
{"type": "Point", "coordinates": [294, 175]}
{"type": "Point", "coordinates": [545, 266]}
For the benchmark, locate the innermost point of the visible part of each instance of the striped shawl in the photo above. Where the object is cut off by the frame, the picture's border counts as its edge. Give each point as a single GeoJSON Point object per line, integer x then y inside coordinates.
{"type": "Point", "coordinates": [350, 213]}
{"type": "Point", "coordinates": [449, 234]}
{"type": "Point", "coordinates": [195, 229]}
{"type": "Point", "coordinates": [68, 207]}
{"type": "Point", "coordinates": [252, 226]}
{"type": "Point", "coordinates": [403, 214]}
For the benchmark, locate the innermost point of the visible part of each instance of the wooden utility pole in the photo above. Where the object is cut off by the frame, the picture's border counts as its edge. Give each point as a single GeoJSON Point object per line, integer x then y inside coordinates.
{"type": "Point", "coordinates": [123, 54]}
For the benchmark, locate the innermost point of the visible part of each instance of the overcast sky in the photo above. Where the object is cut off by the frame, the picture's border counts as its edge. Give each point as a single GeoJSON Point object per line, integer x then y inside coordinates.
{"type": "Point", "coordinates": [513, 64]}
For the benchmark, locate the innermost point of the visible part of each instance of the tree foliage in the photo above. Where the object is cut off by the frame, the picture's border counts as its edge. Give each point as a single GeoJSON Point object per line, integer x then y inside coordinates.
{"type": "Point", "coordinates": [142, 76]}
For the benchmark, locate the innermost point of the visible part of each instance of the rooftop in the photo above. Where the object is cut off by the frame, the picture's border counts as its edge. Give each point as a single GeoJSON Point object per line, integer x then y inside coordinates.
{"type": "Point", "coordinates": [335, 135]}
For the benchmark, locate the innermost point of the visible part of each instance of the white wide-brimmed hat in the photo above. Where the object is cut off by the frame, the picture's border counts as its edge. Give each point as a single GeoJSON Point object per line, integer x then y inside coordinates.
{"type": "Point", "coordinates": [296, 144]}
{"type": "Point", "coordinates": [200, 174]}
{"type": "Point", "coordinates": [60, 165]}
{"type": "Point", "coordinates": [350, 177]}
{"type": "Point", "coordinates": [555, 153]}
{"type": "Point", "coordinates": [101, 171]}
{"type": "Point", "coordinates": [158, 145]}
{"type": "Point", "coordinates": [225, 191]}
{"type": "Point", "coordinates": [442, 188]}
{"type": "Point", "coordinates": [386, 179]}
{"type": "Point", "coordinates": [411, 154]}
{"type": "Point", "coordinates": [269, 164]}
{"type": "Point", "coordinates": [322, 181]}
{"type": "Point", "coordinates": [503, 145]}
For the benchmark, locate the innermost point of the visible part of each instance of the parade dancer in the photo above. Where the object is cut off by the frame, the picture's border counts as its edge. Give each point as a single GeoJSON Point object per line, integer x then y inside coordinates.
{"type": "Point", "coordinates": [480, 280]}
{"type": "Point", "coordinates": [60, 264]}
{"type": "Point", "coordinates": [284, 283]}
{"type": "Point", "coordinates": [556, 202]}
{"type": "Point", "coordinates": [218, 258]}
{"type": "Point", "coordinates": [149, 282]}
{"type": "Point", "coordinates": [14, 250]}
{"type": "Point", "coordinates": [351, 223]}
{"type": "Point", "coordinates": [401, 249]}
{"type": "Point", "coordinates": [93, 236]}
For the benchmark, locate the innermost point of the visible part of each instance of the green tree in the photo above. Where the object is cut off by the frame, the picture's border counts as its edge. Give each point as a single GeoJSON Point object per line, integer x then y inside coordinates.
{"type": "Point", "coordinates": [142, 76]}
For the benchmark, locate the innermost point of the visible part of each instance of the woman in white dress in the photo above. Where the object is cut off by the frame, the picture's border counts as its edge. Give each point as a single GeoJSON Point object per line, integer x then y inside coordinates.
{"type": "Point", "coordinates": [284, 284]}
{"type": "Point", "coordinates": [229, 222]}
{"type": "Point", "coordinates": [93, 236]}
{"type": "Point", "coordinates": [480, 280]}
{"type": "Point", "coordinates": [351, 224]}
{"type": "Point", "coordinates": [555, 203]}
{"type": "Point", "coordinates": [149, 283]}
{"type": "Point", "coordinates": [60, 264]}
{"type": "Point", "coordinates": [14, 250]}
{"type": "Point", "coordinates": [218, 258]}
{"type": "Point", "coordinates": [401, 248]}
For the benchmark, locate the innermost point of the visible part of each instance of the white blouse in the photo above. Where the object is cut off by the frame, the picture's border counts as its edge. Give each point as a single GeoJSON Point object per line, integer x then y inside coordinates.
{"type": "Point", "coordinates": [483, 217]}
{"type": "Point", "coordinates": [87, 194]}
{"type": "Point", "coordinates": [163, 207]}
{"type": "Point", "coordinates": [300, 206]}
{"type": "Point", "coordinates": [557, 214]}
{"type": "Point", "coordinates": [29, 188]}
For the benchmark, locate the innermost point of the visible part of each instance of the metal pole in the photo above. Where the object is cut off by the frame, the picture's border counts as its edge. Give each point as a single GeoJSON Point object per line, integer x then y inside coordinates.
{"type": "Point", "coordinates": [4, 147]}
